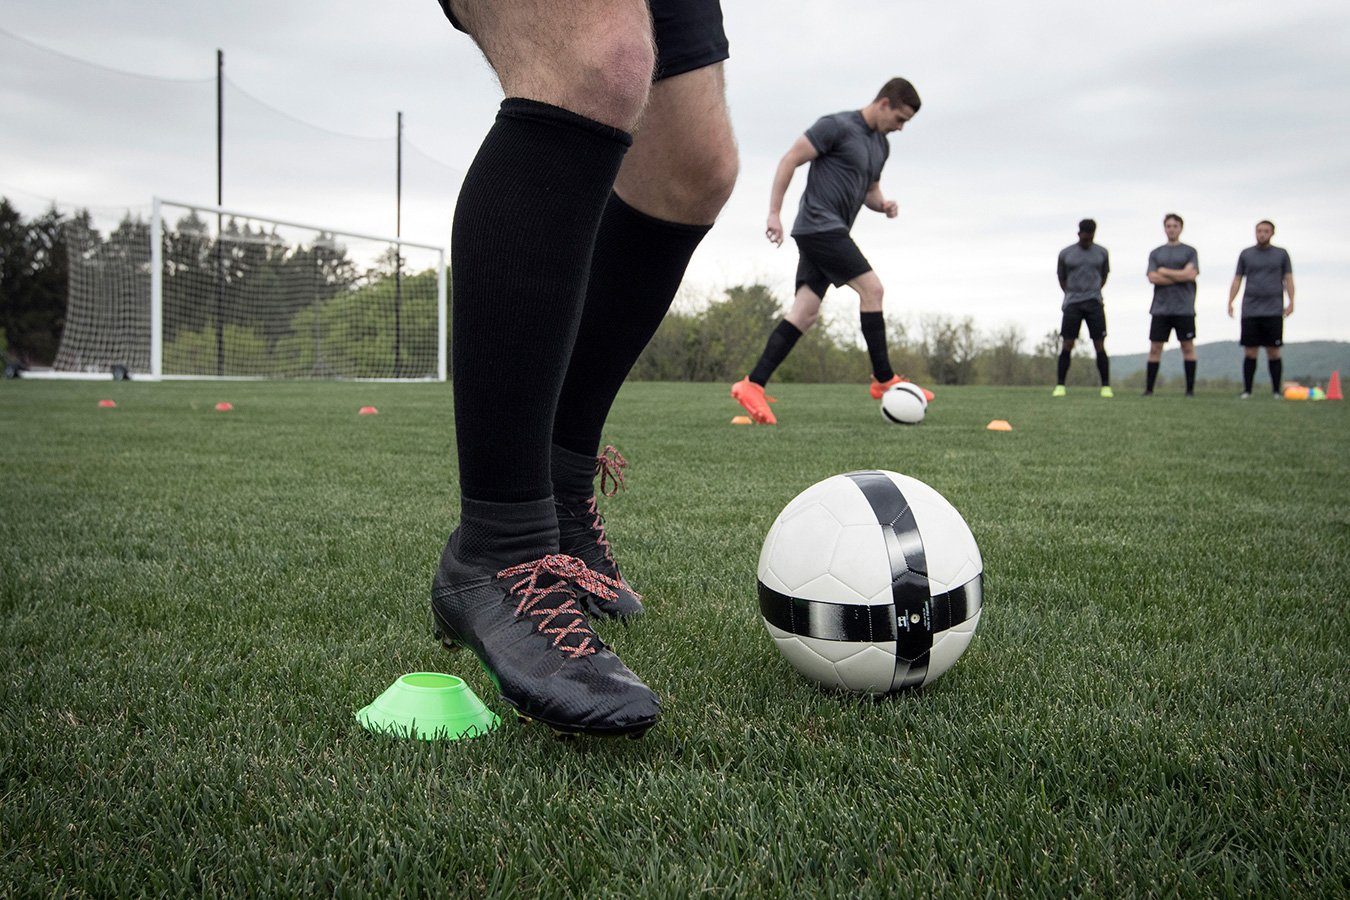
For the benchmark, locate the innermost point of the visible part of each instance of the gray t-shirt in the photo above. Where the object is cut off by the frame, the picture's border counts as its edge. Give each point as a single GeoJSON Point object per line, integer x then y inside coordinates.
{"type": "Point", "coordinates": [850, 161]}
{"type": "Point", "coordinates": [1173, 299]}
{"type": "Point", "coordinates": [1083, 273]}
{"type": "Point", "coordinates": [1265, 271]}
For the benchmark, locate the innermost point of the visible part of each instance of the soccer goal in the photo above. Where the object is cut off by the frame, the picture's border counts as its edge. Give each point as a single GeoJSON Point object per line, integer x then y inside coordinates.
{"type": "Point", "coordinates": [206, 292]}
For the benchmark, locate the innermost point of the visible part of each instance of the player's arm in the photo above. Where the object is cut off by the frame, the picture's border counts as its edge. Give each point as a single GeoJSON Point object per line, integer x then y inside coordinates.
{"type": "Point", "coordinates": [799, 153]}
{"type": "Point", "coordinates": [1289, 289]}
{"type": "Point", "coordinates": [1106, 269]}
{"type": "Point", "coordinates": [1233, 292]}
{"type": "Point", "coordinates": [1063, 271]}
{"type": "Point", "coordinates": [878, 203]}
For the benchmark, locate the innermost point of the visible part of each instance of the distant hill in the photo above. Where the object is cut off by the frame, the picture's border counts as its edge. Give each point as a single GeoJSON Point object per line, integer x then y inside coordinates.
{"type": "Point", "coordinates": [1310, 362]}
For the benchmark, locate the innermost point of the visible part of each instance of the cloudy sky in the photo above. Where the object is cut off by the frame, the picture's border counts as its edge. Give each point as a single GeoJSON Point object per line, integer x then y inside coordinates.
{"type": "Point", "coordinates": [1034, 115]}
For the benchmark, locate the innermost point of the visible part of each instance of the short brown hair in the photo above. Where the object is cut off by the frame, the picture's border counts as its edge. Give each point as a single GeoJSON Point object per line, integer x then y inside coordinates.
{"type": "Point", "coordinates": [1266, 222]}
{"type": "Point", "coordinates": [898, 91]}
{"type": "Point", "coordinates": [1180, 221]}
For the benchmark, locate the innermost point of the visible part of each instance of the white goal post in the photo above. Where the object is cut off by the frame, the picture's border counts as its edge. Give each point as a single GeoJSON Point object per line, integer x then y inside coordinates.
{"type": "Point", "coordinates": [227, 294]}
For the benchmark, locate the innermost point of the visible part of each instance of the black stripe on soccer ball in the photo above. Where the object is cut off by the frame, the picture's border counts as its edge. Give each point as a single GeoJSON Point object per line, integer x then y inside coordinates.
{"type": "Point", "coordinates": [875, 623]}
{"type": "Point", "coordinates": [885, 412]}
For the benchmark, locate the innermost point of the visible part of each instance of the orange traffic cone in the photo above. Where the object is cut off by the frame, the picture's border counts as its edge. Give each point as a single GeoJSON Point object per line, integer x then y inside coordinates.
{"type": "Point", "coordinates": [1334, 386]}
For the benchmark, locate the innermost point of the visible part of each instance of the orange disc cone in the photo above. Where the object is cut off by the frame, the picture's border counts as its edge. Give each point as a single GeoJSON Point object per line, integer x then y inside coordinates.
{"type": "Point", "coordinates": [1334, 386]}
{"type": "Point", "coordinates": [740, 420]}
{"type": "Point", "coordinates": [999, 425]}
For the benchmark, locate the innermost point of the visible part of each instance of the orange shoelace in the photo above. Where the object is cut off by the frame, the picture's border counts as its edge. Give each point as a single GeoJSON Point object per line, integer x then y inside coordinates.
{"type": "Point", "coordinates": [564, 620]}
{"type": "Point", "coordinates": [609, 465]}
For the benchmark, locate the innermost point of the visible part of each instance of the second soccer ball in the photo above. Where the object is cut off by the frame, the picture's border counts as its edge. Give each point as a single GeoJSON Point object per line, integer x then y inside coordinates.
{"type": "Point", "coordinates": [904, 404]}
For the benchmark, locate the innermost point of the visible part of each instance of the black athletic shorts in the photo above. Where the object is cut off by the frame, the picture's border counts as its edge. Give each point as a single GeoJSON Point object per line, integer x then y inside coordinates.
{"type": "Point", "coordinates": [1093, 312]}
{"type": "Point", "coordinates": [1262, 331]}
{"type": "Point", "coordinates": [1163, 326]}
{"type": "Point", "coordinates": [829, 257]}
{"type": "Point", "coordinates": [688, 34]}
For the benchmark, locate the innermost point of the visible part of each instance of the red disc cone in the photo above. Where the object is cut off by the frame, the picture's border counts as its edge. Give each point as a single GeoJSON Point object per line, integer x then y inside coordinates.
{"type": "Point", "coordinates": [224, 406]}
{"type": "Point", "coordinates": [112, 404]}
{"type": "Point", "coordinates": [367, 411]}
{"type": "Point", "coordinates": [1334, 386]}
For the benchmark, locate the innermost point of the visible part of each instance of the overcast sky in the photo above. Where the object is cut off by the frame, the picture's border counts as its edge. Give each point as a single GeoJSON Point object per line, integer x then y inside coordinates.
{"type": "Point", "coordinates": [1034, 115]}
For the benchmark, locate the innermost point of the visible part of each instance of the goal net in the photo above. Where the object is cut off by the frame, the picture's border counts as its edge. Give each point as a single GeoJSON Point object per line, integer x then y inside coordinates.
{"type": "Point", "coordinates": [204, 292]}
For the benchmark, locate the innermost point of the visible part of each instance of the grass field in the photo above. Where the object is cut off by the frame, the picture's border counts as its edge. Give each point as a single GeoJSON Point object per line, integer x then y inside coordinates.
{"type": "Point", "coordinates": [194, 604]}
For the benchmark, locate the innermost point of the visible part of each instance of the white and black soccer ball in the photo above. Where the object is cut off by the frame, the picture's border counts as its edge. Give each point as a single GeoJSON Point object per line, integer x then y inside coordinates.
{"type": "Point", "coordinates": [903, 403]}
{"type": "Point", "coordinates": [870, 582]}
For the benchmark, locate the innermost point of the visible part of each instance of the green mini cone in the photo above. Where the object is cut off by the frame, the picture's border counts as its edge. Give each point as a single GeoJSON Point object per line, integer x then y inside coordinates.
{"type": "Point", "coordinates": [430, 706]}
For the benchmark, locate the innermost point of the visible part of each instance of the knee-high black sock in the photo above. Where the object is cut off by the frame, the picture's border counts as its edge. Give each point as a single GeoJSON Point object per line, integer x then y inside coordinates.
{"type": "Point", "coordinates": [1104, 367]}
{"type": "Point", "coordinates": [1276, 367]}
{"type": "Point", "coordinates": [781, 341]}
{"type": "Point", "coordinates": [636, 269]}
{"type": "Point", "coordinates": [1248, 374]}
{"type": "Point", "coordinates": [1064, 358]}
{"type": "Point", "coordinates": [1151, 376]}
{"type": "Point", "coordinates": [874, 333]}
{"type": "Point", "coordinates": [1189, 366]}
{"type": "Point", "coordinates": [520, 255]}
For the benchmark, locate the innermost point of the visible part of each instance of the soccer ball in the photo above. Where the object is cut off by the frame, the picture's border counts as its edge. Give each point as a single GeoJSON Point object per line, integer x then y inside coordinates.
{"type": "Point", "coordinates": [903, 403]}
{"type": "Point", "coordinates": [870, 582]}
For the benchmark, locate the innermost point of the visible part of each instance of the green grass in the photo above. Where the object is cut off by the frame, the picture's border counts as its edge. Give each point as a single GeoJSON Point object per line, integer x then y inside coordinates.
{"type": "Point", "coordinates": [194, 604]}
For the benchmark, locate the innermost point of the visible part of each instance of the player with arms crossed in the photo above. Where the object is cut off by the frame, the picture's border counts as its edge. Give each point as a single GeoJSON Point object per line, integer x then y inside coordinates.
{"type": "Point", "coordinates": [846, 151]}
{"type": "Point", "coordinates": [1172, 270]}
{"type": "Point", "coordinates": [1083, 268]}
{"type": "Point", "coordinates": [570, 238]}
{"type": "Point", "coordinates": [1270, 275]}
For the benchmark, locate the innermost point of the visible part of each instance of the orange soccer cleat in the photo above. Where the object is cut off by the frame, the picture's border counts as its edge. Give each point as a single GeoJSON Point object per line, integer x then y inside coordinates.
{"type": "Point", "coordinates": [756, 402]}
{"type": "Point", "coordinates": [880, 387]}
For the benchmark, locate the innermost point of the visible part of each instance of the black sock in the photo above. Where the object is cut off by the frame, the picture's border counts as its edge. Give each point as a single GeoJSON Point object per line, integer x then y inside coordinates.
{"type": "Point", "coordinates": [1189, 366]}
{"type": "Point", "coordinates": [573, 473]}
{"type": "Point", "coordinates": [874, 333]}
{"type": "Point", "coordinates": [1064, 359]}
{"type": "Point", "coordinates": [1276, 367]}
{"type": "Point", "coordinates": [504, 534]}
{"type": "Point", "coordinates": [1104, 367]}
{"type": "Point", "coordinates": [781, 341]}
{"type": "Point", "coordinates": [520, 253]}
{"type": "Point", "coordinates": [1151, 378]}
{"type": "Point", "coordinates": [1248, 374]}
{"type": "Point", "coordinates": [636, 269]}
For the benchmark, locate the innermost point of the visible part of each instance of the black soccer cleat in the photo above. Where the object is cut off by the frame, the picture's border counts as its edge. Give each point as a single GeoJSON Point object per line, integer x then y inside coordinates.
{"type": "Point", "coordinates": [581, 533]}
{"type": "Point", "coordinates": [532, 637]}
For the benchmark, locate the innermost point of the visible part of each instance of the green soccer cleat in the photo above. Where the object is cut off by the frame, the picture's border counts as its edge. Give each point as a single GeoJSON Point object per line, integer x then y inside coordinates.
{"type": "Point", "coordinates": [1107, 392]}
{"type": "Point", "coordinates": [1058, 391]}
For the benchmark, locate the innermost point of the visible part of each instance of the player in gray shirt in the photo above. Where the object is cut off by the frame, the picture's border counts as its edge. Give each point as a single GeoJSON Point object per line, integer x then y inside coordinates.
{"type": "Point", "coordinates": [1270, 275]}
{"type": "Point", "coordinates": [846, 151]}
{"type": "Point", "coordinates": [1172, 270]}
{"type": "Point", "coordinates": [1083, 269]}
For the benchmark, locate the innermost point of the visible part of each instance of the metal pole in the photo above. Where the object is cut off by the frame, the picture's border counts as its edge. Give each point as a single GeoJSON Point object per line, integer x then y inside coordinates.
{"type": "Point", "coordinates": [398, 255]}
{"type": "Point", "coordinates": [156, 291]}
{"type": "Point", "coordinates": [220, 176]}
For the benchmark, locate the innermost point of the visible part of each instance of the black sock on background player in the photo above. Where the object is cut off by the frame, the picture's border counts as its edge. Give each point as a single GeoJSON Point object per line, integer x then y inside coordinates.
{"type": "Point", "coordinates": [874, 333]}
{"type": "Point", "coordinates": [1189, 366]}
{"type": "Point", "coordinates": [1063, 368]}
{"type": "Point", "coordinates": [520, 269]}
{"type": "Point", "coordinates": [781, 341]}
{"type": "Point", "coordinates": [1276, 367]}
{"type": "Point", "coordinates": [1248, 374]}
{"type": "Point", "coordinates": [1104, 367]}
{"type": "Point", "coordinates": [636, 269]}
{"type": "Point", "coordinates": [1151, 376]}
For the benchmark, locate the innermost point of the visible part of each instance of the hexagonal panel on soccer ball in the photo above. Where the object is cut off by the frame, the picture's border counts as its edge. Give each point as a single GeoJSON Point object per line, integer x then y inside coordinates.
{"type": "Point", "coordinates": [800, 547]}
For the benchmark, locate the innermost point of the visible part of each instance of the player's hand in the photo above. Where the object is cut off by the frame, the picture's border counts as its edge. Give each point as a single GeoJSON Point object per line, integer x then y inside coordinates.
{"type": "Point", "coordinates": [1289, 310]}
{"type": "Point", "coordinates": [774, 230]}
{"type": "Point", "coordinates": [1230, 310]}
{"type": "Point", "coordinates": [891, 209]}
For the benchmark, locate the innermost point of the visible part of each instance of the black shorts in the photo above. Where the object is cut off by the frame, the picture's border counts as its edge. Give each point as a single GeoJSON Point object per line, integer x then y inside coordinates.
{"type": "Point", "coordinates": [1164, 325]}
{"type": "Point", "coordinates": [1262, 331]}
{"type": "Point", "coordinates": [829, 257]}
{"type": "Point", "coordinates": [688, 34]}
{"type": "Point", "coordinates": [1093, 312]}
